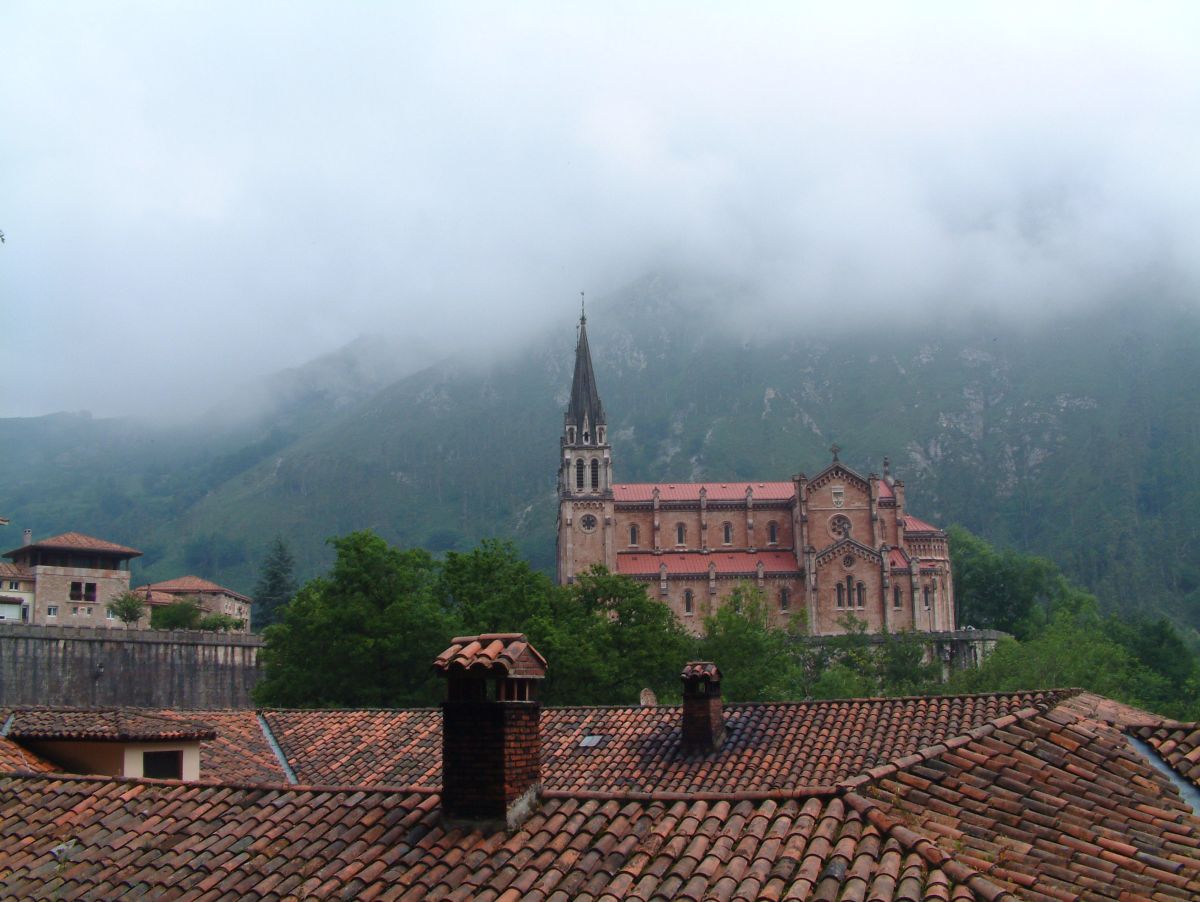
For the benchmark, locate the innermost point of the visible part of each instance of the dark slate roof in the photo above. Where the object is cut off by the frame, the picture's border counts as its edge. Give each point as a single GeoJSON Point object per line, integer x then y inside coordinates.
{"type": "Point", "coordinates": [585, 397]}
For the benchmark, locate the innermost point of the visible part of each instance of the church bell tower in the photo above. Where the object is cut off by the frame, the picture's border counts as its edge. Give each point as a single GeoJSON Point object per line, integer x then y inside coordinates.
{"type": "Point", "coordinates": [585, 509]}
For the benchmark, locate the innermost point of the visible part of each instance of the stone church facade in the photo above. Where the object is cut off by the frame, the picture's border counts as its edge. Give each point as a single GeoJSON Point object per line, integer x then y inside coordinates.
{"type": "Point", "coordinates": [836, 544]}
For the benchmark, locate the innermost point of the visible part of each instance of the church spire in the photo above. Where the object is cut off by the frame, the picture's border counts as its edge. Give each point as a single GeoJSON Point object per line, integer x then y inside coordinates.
{"type": "Point", "coordinates": [585, 412]}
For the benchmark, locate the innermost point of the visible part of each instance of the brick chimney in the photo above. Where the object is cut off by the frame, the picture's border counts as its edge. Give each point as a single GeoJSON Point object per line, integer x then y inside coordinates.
{"type": "Point", "coordinates": [491, 748]}
{"type": "Point", "coordinates": [703, 712]}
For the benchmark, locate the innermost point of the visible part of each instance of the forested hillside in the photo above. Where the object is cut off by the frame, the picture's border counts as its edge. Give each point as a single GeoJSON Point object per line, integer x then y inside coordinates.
{"type": "Point", "coordinates": [1076, 438]}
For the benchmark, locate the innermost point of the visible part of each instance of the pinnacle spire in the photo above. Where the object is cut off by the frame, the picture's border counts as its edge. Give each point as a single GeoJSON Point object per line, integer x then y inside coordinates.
{"type": "Point", "coordinates": [584, 410]}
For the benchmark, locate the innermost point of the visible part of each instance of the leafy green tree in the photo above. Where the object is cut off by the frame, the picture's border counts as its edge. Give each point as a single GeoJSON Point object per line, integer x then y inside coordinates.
{"type": "Point", "coordinates": [363, 636]}
{"type": "Point", "coordinates": [184, 614]}
{"type": "Point", "coordinates": [1001, 590]}
{"type": "Point", "coordinates": [276, 586]}
{"type": "Point", "coordinates": [128, 607]}
{"type": "Point", "coordinates": [220, 623]}
{"type": "Point", "coordinates": [757, 660]}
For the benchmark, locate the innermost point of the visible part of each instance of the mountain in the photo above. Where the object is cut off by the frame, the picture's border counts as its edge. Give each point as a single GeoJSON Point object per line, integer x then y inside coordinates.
{"type": "Point", "coordinates": [1074, 436]}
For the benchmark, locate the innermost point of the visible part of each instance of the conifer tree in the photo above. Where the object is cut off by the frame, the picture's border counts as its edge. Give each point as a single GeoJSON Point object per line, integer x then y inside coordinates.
{"type": "Point", "coordinates": [275, 588]}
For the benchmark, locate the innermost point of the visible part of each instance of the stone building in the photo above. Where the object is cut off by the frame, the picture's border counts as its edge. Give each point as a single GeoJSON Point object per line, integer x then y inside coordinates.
{"type": "Point", "coordinates": [65, 580]}
{"type": "Point", "coordinates": [213, 599]}
{"type": "Point", "coordinates": [836, 544]}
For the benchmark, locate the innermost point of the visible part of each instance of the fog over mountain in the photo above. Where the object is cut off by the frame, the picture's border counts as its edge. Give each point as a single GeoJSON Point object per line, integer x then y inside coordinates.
{"type": "Point", "coordinates": [194, 195]}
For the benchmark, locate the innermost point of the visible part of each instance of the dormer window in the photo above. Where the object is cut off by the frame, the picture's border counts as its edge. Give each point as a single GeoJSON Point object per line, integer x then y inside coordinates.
{"type": "Point", "coordinates": [570, 435]}
{"type": "Point", "coordinates": [587, 436]}
{"type": "Point", "coordinates": [600, 434]}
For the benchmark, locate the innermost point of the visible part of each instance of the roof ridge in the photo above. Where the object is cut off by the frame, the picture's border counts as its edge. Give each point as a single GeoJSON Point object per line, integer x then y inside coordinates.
{"type": "Point", "coordinates": [347, 788]}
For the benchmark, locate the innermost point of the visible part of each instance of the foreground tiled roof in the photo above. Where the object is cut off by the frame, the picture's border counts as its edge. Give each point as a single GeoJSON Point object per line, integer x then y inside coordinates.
{"type": "Point", "coordinates": [1178, 745]}
{"type": "Point", "coordinates": [77, 541]}
{"type": "Point", "coordinates": [191, 585]}
{"type": "Point", "coordinates": [77, 837]}
{"type": "Point", "coordinates": [774, 746]}
{"type": "Point", "coordinates": [1006, 796]}
{"type": "Point", "coordinates": [1051, 806]}
{"type": "Point", "coordinates": [714, 491]}
{"type": "Point", "coordinates": [635, 563]}
{"type": "Point", "coordinates": [14, 758]}
{"type": "Point", "coordinates": [103, 725]}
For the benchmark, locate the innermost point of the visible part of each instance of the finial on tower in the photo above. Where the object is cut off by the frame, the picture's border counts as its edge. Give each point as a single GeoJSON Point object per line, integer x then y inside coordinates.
{"type": "Point", "coordinates": [834, 449]}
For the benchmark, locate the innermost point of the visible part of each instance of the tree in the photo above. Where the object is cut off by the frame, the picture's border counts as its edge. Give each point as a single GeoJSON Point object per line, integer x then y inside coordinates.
{"type": "Point", "coordinates": [363, 636]}
{"type": "Point", "coordinates": [757, 660]}
{"type": "Point", "coordinates": [276, 586]}
{"type": "Point", "coordinates": [1001, 590]}
{"type": "Point", "coordinates": [184, 614]}
{"type": "Point", "coordinates": [128, 607]}
{"type": "Point", "coordinates": [220, 623]}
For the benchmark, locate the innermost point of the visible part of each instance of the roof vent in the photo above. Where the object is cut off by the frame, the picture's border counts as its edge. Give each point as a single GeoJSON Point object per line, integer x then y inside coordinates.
{"type": "Point", "coordinates": [703, 711]}
{"type": "Point", "coordinates": [491, 747]}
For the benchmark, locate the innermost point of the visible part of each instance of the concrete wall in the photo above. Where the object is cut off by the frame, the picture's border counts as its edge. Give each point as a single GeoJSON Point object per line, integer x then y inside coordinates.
{"type": "Point", "coordinates": [63, 665]}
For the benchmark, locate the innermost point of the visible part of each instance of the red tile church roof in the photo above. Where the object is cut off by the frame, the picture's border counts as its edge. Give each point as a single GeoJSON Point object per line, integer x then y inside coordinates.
{"type": "Point", "coordinates": [912, 524]}
{"type": "Point", "coordinates": [715, 491]}
{"type": "Point", "coordinates": [192, 585]}
{"type": "Point", "coordinates": [639, 563]}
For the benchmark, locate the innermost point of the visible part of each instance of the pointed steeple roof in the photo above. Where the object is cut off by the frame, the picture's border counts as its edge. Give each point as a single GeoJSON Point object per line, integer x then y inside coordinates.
{"type": "Point", "coordinates": [585, 403]}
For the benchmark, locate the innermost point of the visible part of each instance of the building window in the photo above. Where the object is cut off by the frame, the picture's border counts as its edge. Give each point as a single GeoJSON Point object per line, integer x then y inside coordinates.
{"type": "Point", "coordinates": [87, 611]}
{"type": "Point", "coordinates": [727, 533]}
{"type": "Point", "coordinates": [680, 534]}
{"type": "Point", "coordinates": [861, 595]}
{"type": "Point", "coordinates": [83, 591]}
{"type": "Point", "coordinates": [897, 597]}
{"type": "Point", "coordinates": [570, 435]}
{"type": "Point", "coordinates": [773, 533]}
{"type": "Point", "coordinates": [688, 601]}
{"type": "Point", "coordinates": [51, 610]}
{"type": "Point", "coordinates": [13, 584]}
{"type": "Point", "coordinates": [784, 599]}
{"type": "Point", "coordinates": [633, 534]}
{"type": "Point", "coordinates": [839, 496]}
{"type": "Point", "coordinates": [109, 615]}
{"type": "Point", "coordinates": [841, 598]}
{"type": "Point", "coordinates": [162, 765]}
{"type": "Point", "coordinates": [74, 610]}
{"type": "Point", "coordinates": [927, 591]}
{"type": "Point", "coordinates": [839, 527]}
{"type": "Point", "coordinates": [595, 474]}
{"type": "Point", "coordinates": [579, 474]}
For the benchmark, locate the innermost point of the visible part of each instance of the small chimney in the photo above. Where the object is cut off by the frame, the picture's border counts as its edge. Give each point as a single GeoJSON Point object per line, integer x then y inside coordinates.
{"type": "Point", "coordinates": [27, 538]}
{"type": "Point", "coordinates": [491, 748]}
{"type": "Point", "coordinates": [703, 712]}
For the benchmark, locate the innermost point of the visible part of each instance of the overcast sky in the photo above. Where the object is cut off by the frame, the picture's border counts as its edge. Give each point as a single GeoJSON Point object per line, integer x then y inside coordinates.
{"type": "Point", "coordinates": [195, 193]}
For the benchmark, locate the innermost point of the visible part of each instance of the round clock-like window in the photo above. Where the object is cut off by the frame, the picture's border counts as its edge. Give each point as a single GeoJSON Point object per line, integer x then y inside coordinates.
{"type": "Point", "coordinates": [587, 522]}
{"type": "Point", "coordinates": [839, 526]}
{"type": "Point", "coordinates": [848, 562]}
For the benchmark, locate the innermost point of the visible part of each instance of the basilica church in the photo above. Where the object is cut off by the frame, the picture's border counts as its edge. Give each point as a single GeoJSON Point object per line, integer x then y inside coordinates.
{"type": "Point", "coordinates": [821, 548]}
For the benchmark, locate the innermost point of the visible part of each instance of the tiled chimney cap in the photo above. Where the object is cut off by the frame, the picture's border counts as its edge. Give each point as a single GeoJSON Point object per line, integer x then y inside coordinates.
{"type": "Point", "coordinates": [701, 670]}
{"type": "Point", "coordinates": [508, 654]}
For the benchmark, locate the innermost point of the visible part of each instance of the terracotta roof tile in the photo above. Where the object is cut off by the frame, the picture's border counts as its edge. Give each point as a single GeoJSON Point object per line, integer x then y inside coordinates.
{"type": "Point", "coordinates": [701, 670]}
{"type": "Point", "coordinates": [9, 570]}
{"type": "Point", "coordinates": [510, 653]}
{"type": "Point", "coordinates": [912, 524]}
{"type": "Point", "coordinates": [102, 725]}
{"type": "Point", "coordinates": [15, 758]}
{"type": "Point", "coordinates": [745, 563]}
{"type": "Point", "coordinates": [191, 585]}
{"type": "Point", "coordinates": [90, 837]}
{"type": "Point", "coordinates": [714, 491]}
{"type": "Point", "coordinates": [1178, 745]}
{"type": "Point", "coordinates": [77, 541]}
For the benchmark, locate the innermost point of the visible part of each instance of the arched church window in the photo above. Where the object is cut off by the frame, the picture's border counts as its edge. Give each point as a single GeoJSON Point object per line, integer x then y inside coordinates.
{"type": "Point", "coordinates": [579, 474]}
{"type": "Point", "coordinates": [587, 437]}
{"type": "Point", "coordinates": [570, 435]}
{"type": "Point", "coordinates": [680, 534]}
{"type": "Point", "coordinates": [784, 599]}
{"type": "Point", "coordinates": [773, 533]}
{"type": "Point", "coordinates": [633, 534]}
{"type": "Point", "coordinates": [860, 595]}
{"type": "Point", "coordinates": [595, 473]}
{"type": "Point", "coordinates": [897, 597]}
{"type": "Point", "coordinates": [727, 533]}
{"type": "Point", "coordinates": [841, 598]}
{"type": "Point", "coordinates": [689, 601]}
